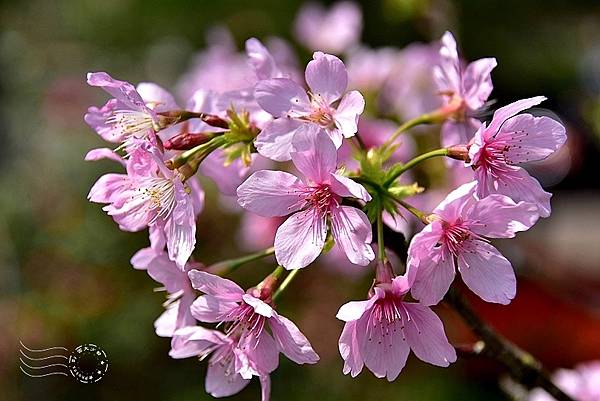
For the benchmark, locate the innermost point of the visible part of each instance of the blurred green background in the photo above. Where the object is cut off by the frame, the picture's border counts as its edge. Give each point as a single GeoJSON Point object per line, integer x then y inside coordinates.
{"type": "Point", "coordinates": [65, 277]}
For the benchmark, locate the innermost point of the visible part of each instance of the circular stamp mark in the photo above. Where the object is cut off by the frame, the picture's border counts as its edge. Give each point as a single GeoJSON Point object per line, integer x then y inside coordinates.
{"type": "Point", "coordinates": [88, 363]}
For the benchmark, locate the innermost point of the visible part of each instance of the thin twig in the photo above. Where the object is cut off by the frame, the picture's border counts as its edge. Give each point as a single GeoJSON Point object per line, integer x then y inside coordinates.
{"type": "Point", "coordinates": [521, 365]}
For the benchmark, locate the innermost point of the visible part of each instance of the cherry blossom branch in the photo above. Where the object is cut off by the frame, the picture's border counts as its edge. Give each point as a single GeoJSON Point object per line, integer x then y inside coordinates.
{"type": "Point", "coordinates": [400, 169]}
{"type": "Point", "coordinates": [522, 366]}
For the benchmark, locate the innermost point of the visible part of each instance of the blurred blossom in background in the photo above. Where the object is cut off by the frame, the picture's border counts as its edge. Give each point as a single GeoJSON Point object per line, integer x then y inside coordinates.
{"type": "Point", "coordinates": [65, 276]}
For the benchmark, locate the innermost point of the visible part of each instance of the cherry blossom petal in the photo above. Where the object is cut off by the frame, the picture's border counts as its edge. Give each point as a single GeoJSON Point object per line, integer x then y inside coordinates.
{"type": "Point", "coordinates": [425, 334]}
{"type": "Point", "coordinates": [271, 193]}
{"type": "Point", "coordinates": [261, 60]}
{"type": "Point", "coordinates": [221, 288]}
{"type": "Point", "coordinates": [326, 77]}
{"type": "Point", "coordinates": [166, 323]}
{"type": "Point", "coordinates": [156, 97]}
{"type": "Point", "coordinates": [498, 216]}
{"type": "Point", "coordinates": [107, 186]}
{"type": "Point", "coordinates": [477, 82]}
{"type": "Point", "coordinates": [530, 138]}
{"type": "Point", "coordinates": [487, 273]}
{"type": "Point", "coordinates": [447, 73]}
{"type": "Point", "coordinates": [142, 258]}
{"type": "Point", "coordinates": [104, 153]}
{"type": "Point", "coordinates": [434, 276]}
{"type": "Point", "coordinates": [455, 202]}
{"type": "Point", "coordinates": [290, 340]}
{"type": "Point", "coordinates": [123, 91]}
{"type": "Point", "coordinates": [264, 355]}
{"type": "Point", "coordinates": [300, 239]}
{"type": "Point", "coordinates": [211, 309]}
{"type": "Point", "coordinates": [260, 307]}
{"type": "Point", "coordinates": [220, 382]}
{"type": "Point", "coordinates": [351, 230]}
{"type": "Point", "coordinates": [280, 95]}
{"type": "Point", "coordinates": [353, 310]}
{"type": "Point", "coordinates": [517, 184]}
{"type": "Point", "coordinates": [164, 271]}
{"type": "Point", "coordinates": [180, 228]}
{"type": "Point", "coordinates": [314, 154]}
{"type": "Point", "coordinates": [458, 132]}
{"type": "Point", "coordinates": [348, 188]}
{"type": "Point", "coordinates": [275, 139]}
{"type": "Point", "coordinates": [350, 108]}
{"type": "Point", "coordinates": [96, 119]}
{"type": "Point", "coordinates": [504, 113]}
{"type": "Point", "coordinates": [384, 348]}
{"type": "Point", "coordinates": [192, 341]}
{"type": "Point", "coordinates": [350, 350]}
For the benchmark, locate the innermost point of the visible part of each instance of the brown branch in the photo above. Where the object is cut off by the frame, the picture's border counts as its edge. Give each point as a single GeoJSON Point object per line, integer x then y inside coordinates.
{"type": "Point", "coordinates": [521, 365]}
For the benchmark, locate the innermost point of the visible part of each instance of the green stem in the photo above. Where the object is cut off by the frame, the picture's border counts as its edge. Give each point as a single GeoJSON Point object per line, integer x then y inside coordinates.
{"type": "Point", "coordinates": [400, 169]}
{"type": "Point", "coordinates": [229, 266]}
{"type": "Point", "coordinates": [423, 119]}
{"type": "Point", "coordinates": [418, 213]}
{"type": "Point", "coordinates": [201, 150]}
{"type": "Point", "coordinates": [380, 242]}
{"type": "Point", "coordinates": [288, 279]}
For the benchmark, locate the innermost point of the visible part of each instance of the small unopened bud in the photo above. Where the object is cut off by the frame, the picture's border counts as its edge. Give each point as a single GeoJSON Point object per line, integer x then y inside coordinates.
{"type": "Point", "coordinates": [186, 140]}
{"type": "Point", "coordinates": [459, 152]}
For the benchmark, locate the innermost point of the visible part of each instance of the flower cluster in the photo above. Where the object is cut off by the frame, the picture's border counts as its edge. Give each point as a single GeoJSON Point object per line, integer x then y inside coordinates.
{"type": "Point", "coordinates": [349, 171]}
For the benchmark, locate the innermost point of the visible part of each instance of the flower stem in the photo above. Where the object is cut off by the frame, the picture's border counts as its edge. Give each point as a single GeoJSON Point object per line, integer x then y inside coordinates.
{"type": "Point", "coordinates": [228, 266]}
{"type": "Point", "coordinates": [288, 279]}
{"type": "Point", "coordinates": [521, 365]}
{"type": "Point", "coordinates": [196, 154]}
{"type": "Point", "coordinates": [418, 213]}
{"type": "Point", "coordinates": [422, 119]}
{"type": "Point", "coordinates": [380, 241]}
{"type": "Point", "coordinates": [399, 169]}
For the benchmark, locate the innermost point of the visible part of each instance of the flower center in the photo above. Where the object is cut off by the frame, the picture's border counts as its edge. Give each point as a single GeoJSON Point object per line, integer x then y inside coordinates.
{"type": "Point", "coordinates": [245, 323]}
{"type": "Point", "coordinates": [385, 321]}
{"type": "Point", "coordinates": [130, 123]}
{"type": "Point", "coordinates": [322, 116]}
{"type": "Point", "coordinates": [223, 355]}
{"type": "Point", "coordinates": [454, 236]}
{"type": "Point", "coordinates": [321, 198]}
{"type": "Point", "coordinates": [493, 159]}
{"type": "Point", "coordinates": [157, 194]}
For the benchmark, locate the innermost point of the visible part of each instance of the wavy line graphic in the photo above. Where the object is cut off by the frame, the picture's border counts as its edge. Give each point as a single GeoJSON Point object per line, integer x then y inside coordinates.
{"type": "Point", "coordinates": [31, 369]}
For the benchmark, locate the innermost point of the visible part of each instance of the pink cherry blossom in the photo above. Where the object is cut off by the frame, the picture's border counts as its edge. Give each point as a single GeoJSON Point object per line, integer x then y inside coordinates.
{"type": "Point", "coordinates": [380, 332]}
{"type": "Point", "coordinates": [410, 90]}
{"type": "Point", "coordinates": [178, 287]}
{"type": "Point", "coordinates": [152, 195]}
{"type": "Point", "coordinates": [465, 90]}
{"type": "Point", "coordinates": [247, 316]}
{"type": "Point", "coordinates": [131, 112]}
{"type": "Point", "coordinates": [334, 30]}
{"type": "Point", "coordinates": [581, 383]}
{"type": "Point", "coordinates": [369, 69]}
{"type": "Point", "coordinates": [292, 107]}
{"type": "Point", "coordinates": [510, 140]}
{"type": "Point", "coordinates": [457, 236]}
{"type": "Point", "coordinates": [230, 367]}
{"type": "Point", "coordinates": [312, 202]}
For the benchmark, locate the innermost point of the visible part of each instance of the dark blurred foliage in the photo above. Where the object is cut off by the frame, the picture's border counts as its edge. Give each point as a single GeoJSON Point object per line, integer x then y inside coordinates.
{"type": "Point", "coordinates": [65, 277]}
